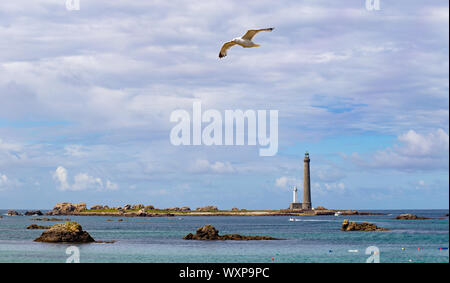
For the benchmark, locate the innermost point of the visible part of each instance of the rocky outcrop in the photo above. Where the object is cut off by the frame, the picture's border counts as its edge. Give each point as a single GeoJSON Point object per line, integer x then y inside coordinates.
{"type": "Point", "coordinates": [173, 209]}
{"type": "Point", "coordinates": [35, 226]}
{"type": "Point", "coordinates": [210, 233]}
{"type": "Point", "coordinates": [69, 232]}
{"type": "Point", "coordinates": [149, 207]}
{"type": "Point", "coordinates": [33, 212]}
{"type": "Point", "coordinates": [207, 208]}
{"type": "Point", "coordinates": [320, 208]}
{"type": "Point", "coordinates": [127, 207]}
{"type": "Point", "coordinates": [365, 226]}
{"type": "Point", "coordinates": [184, 208]}
{"type": "Point", "coordinates": [66, 208]}
{"type": "Point", "coordinates": [323, 212]}
{"type": "Point", "coordinates": [137, 206]}
{"type": "Point", "coordinates": [14, 213]}
{"type": "Point", "coordinates": [141, 212]}
{"type": "Point", "coordinates": [408, 216]}
{"type": "Point", "coordinates": [97, 207]}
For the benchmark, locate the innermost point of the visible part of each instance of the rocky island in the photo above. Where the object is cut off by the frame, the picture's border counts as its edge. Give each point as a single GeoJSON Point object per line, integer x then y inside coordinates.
{"type": "Point", "coordinates": [411, 217]}
{"type": "Point", "coordinates": [50, 219]}
{"type": "Point", "coordinates": [210, 233]}
{"type": "Point", "coordinates": [365, 226]}
{"type": "Point", "coordinates": [140, 210]}
{"type": "Point", "coordinates": [33, 212]}
{"type": "Point", "coordinates": [13, 213]}
{"type": "Point", "coordinates": [35, 226]}
{"type": "Point", "coordinates": [69, 232]}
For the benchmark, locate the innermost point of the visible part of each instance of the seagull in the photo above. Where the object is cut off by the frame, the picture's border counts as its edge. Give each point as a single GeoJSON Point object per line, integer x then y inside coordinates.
{"type": "Point", "coordinates": [244, 41]}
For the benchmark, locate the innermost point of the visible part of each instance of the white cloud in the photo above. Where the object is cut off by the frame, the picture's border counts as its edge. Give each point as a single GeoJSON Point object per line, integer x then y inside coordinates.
{"type": "Point", "coordinates": [9, 146]}
{"type": "Point", "coordinates": [415, 151]}
{"type": "Point", "coordinates": [82, 181]}
{"type": "Point", "coordinates": [111, 186]}
{"type": "Point", "coordinates": [75, 150]}
{"type": "Point", "coordinates": [60, 175]}
{"type": "Point", "coordinates": [203, 165]}
{"type": "Point", "coordinates": [286, 182]}
{"type": "Point", "coordinates": [3, 181]}
{"type": "Point", "coordinates": [7, 183]}
{"type": "Point", "coordinates": [325, 189]}
{"type": "Point", "coordinates": [328, 173]}
{"type": "Point", "coordinates": [426, 145]}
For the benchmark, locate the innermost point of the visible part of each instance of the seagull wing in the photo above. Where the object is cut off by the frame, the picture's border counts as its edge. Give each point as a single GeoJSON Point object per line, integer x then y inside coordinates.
{"type": "Point", "coordinates": [225, 47]}
{"type": "Point", "coordinates": [251, 33]}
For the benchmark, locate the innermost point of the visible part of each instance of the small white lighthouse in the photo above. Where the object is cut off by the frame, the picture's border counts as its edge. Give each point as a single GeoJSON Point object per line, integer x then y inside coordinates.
{"type": "Point", "coordinates": [295, 204]}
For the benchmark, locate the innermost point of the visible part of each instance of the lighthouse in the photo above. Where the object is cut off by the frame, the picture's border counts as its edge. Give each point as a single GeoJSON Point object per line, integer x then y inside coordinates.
{"type": "Point", "coordinates": [295, 204]}
{"type": "Point", "coordinates": [306, 184]}
{"type": "Point", "coordinates": [306, 204]}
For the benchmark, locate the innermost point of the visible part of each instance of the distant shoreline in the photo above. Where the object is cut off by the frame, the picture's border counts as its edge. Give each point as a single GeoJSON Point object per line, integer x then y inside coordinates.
{"type": "Point", "coordinates": [173, 213]}
{"type": "Point", "coordinates": [139, 210]}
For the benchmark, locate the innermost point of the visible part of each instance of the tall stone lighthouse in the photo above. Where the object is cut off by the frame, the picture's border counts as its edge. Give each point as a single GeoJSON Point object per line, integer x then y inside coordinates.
{"type": "Point", "coordinates": [306, 204]}
{"type": "Point", "coordinates": [306, 184]}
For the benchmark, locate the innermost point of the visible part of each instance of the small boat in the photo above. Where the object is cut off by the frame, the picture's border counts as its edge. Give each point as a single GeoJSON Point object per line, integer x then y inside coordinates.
{"type": "Point", "coordinates": [338, 213]}
{"type": "Point", "coordinates": [291, 219]}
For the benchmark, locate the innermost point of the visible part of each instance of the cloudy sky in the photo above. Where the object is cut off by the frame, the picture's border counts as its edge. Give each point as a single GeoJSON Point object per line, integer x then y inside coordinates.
{"type": "Point", "coordinates": [86, 97]}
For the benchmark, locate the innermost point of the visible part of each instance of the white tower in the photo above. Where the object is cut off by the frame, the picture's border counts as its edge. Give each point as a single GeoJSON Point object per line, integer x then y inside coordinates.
{"type": "Point", "coordinates": [294, 204]}
{"type": "Point", "coordinates": [294, 200]}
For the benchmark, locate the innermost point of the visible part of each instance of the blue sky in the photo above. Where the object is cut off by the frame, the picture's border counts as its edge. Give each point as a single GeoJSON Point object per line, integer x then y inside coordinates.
{"type": "Point", "coordinates": [86, 98]}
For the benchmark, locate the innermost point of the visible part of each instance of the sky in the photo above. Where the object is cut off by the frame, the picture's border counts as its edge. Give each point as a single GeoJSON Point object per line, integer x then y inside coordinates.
{"type": "Point", "coordinates": [86, 98]}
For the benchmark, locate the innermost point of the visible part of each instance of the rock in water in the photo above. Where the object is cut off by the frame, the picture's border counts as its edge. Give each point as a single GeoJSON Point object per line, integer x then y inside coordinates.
{"type": "Point", "coordinates": [33, 212]}
{"type": "Point", "coordinates": [207, 232]}
{"type": "Point", "coordinates": [67, 208]}
{"type": "Point", "coordinates": [35, 226]}
{"type": "Point", "coordinates": [408, 216]}
{"type": "Point", "coordinates": [13, 212]}
{"type": "Point", "coordinates": [365, 226]}
{"type": "Point", "coordinates": [71, 232]}
{"type": "Point", "coordinates": [210, 233]}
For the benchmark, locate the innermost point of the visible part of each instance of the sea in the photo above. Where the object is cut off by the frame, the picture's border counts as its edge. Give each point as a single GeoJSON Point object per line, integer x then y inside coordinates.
{"type": "Point", "coordinates": [315, 239]}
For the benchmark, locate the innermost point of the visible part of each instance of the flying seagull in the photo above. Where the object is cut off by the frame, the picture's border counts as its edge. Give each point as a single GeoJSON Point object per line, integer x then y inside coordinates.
{"type": "Point", "coordinates": [244, 41]}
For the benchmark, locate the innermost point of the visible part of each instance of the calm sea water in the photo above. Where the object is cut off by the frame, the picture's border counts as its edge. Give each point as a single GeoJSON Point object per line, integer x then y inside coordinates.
{"type": "Point", "coordinates": [312, 239]}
